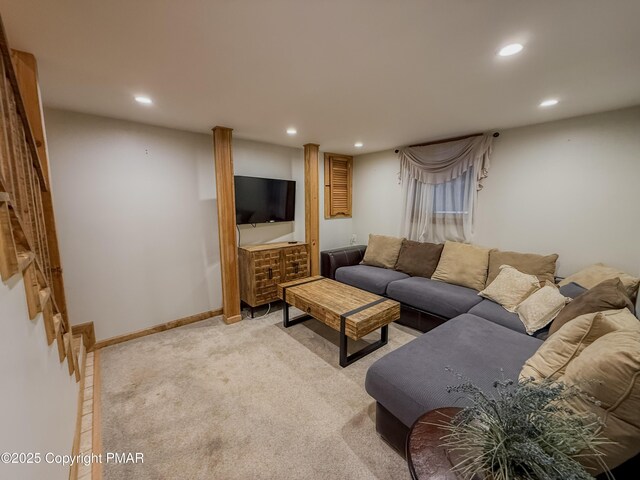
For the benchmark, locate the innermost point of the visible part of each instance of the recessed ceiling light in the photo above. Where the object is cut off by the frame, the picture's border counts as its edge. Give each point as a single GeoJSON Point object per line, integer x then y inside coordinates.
{"type": "Point", "coordinates": [510, 49]}
{"type": "Point", "coordinates": [549, 103]}
{"type": "Point", "coordinates": [144, 100]}
{"type": "Point", "coordinates": [358, 144]}
{"type": "Point", "coordinates": [291, 131]}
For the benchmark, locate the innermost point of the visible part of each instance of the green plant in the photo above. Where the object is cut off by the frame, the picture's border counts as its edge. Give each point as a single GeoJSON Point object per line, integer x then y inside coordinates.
{"type": "Point", "coordinates": [523, 430]}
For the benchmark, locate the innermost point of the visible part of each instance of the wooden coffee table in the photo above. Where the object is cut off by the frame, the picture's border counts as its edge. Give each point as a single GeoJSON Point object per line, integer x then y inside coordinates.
{"type": "Point", "coordinates": [351, 311]}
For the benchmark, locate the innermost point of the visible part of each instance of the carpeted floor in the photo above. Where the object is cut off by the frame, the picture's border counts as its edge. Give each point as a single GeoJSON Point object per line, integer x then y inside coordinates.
{"type": "Point", "coordinates": [245, 401]}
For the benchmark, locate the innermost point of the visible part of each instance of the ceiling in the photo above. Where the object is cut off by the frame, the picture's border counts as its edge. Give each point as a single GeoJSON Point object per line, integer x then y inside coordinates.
{"type": "Point", "coordinates": [386, 73]}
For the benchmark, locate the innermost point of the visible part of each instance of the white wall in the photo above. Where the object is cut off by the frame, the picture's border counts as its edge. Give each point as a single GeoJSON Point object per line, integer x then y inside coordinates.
{"type": "Point", "coordinates": [568, 187]}
{"type": "Point", "coordinates": [256, 159]}
{"type": "Point", "coordinates": [136, 207]}
{"type": "Point", "coordinates": [39, 398]}
{"type": "Point", "coordinates": [136, 216]}
{"type": "Point", "coordinates": [273, 161]}
{"type": "Point", "coordinates": [376, 195]}
{"type": "Point", "coordinates": [264, 160]}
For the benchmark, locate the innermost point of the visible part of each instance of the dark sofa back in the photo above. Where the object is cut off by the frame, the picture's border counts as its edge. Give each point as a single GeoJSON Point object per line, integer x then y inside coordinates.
{"type": "Point", "coordinates": [331, 260]}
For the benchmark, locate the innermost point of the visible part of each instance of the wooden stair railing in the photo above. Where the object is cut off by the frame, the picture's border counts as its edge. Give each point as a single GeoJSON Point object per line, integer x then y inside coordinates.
{"type": "Point", "coordinates": [27, 232]}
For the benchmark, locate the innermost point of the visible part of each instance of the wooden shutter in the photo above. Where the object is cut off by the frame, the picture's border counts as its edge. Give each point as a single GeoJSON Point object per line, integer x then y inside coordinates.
{"type": "Point", "coordinates": [337, 185]}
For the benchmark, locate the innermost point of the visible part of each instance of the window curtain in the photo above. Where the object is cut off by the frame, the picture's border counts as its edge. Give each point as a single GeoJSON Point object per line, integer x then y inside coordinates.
{"type": "Point", "coordinates": [440, 185]}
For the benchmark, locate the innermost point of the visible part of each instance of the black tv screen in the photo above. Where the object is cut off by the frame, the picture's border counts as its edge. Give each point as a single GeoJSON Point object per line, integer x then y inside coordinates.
{"type": "Point", "coordinates": [264, 200]}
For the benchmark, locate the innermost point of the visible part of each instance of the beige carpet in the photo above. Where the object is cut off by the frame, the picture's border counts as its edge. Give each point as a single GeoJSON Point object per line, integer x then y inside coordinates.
{"type": "Point", "coordinates": [245, 401]}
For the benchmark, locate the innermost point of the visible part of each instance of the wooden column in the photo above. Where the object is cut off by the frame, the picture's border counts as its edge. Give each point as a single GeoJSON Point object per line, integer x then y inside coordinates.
{"type": "Point", "coordinates": [226, 200]}
{"type": "Point", "coordinates": [311, 205]}
{"type": "Point", "coordinates": [26, 69]}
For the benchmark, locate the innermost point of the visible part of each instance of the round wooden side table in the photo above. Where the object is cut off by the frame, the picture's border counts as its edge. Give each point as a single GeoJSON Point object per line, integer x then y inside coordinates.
{"type": "Point", "coordinates": [426, 458]}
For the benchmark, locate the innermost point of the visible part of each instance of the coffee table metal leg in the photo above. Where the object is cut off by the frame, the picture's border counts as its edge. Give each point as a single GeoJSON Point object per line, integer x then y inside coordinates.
{"type": "Point", "coordinates": [289, 322]}
{"type": "Point", "coordinates": [345, 358]}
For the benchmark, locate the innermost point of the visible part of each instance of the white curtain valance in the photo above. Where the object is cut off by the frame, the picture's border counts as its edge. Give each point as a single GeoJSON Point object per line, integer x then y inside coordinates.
{"type": "Point", "coordinates": [443, 162]}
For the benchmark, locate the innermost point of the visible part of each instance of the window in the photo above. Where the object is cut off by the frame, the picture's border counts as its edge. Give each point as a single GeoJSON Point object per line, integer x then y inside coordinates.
{"type": "Point", "coordinates": [439, 212]}
{"type": "Point", "coordinates": [337, 185]}
{"type": "Point", "coordinates": [453, 197]}
{"type": "Point", "coordinates": [434, 211]}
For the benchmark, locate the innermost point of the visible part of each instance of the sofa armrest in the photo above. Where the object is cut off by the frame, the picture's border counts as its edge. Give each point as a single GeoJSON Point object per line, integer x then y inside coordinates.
{"type": "Point", "coordinates": [331, 260]}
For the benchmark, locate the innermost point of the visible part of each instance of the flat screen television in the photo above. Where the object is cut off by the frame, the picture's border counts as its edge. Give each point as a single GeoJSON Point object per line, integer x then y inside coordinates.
{"type": "Point", "coordinates": [264, 200]}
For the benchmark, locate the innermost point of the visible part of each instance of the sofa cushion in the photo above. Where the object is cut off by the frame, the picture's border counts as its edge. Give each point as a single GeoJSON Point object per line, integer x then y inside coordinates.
{"type": "Point", "coordinates": [510, 287]}
{"type": "Point", "coordinates": [371, 279]}
{"type": "Point", "coordinates": [497, 314]}
{"type": "Point", "coordinates": [572, 290]}
{"type": "Point", "coordinates": [439, 298]}
{"type": "Point", "coordinates": [463, 264]}
{"type": "Point", "coordinates": [542, 266]}
{"type": "Point", "coordinates": [382, 251]}
{"type": "Point", "coordinates": [592, 275]}
{"type": "Point", "coordinates": [607, 295]}
{"type": "Point", "coordinates": [418, 259]}
{"type": "Point", "coordinates": [412, 379]}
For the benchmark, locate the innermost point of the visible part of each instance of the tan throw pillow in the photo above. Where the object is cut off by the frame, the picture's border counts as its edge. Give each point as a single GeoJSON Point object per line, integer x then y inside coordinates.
{"type": "Point", "coordinates": [608, 370]}
{"type": "Point", "coordinates": [463, 264]}
{"type": "Point", "coordinates": [624, 319]}
{"type": "Point", "coordinates": [540, 308]}
{"type": "Point", "coordinates": [510, 287]}
{"type": "Point", "coordinates": [418, 259]}
{"type": "Point", "coordinates": [553, 356]}
{"type": "Point", "coordinates": [608, 295]}
{"type": "Point", "coordinates": [382, 251]}
{"type": "Point", "coordinates": [594, 274]}
{"type": "Point", "coordinates": [542, 266]}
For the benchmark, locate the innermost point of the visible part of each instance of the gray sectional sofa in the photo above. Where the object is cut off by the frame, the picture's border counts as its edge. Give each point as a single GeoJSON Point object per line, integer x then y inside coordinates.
{"type": "Point", "coordinates": [468, 335]}
{"type": "Point", "coordinates": [425, 303]}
